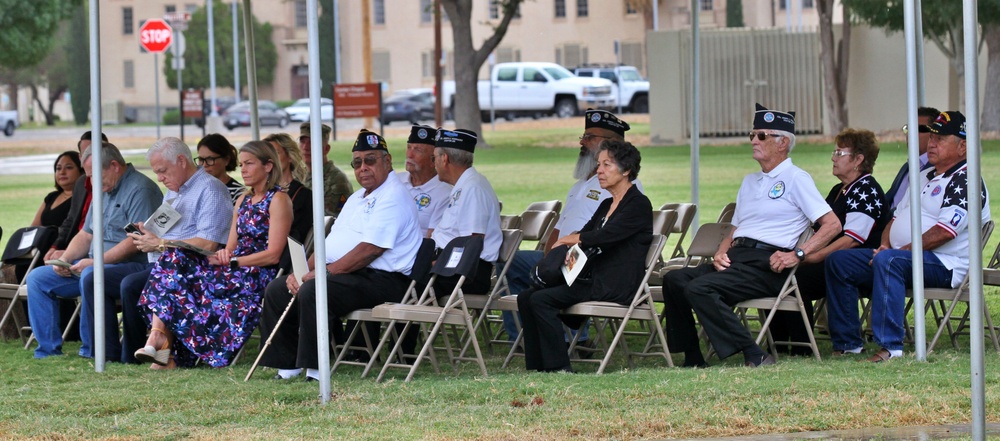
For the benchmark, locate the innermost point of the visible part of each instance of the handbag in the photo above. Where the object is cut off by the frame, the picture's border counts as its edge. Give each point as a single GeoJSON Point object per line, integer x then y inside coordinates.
{"type": "Point", "coordinates": [548, 271]}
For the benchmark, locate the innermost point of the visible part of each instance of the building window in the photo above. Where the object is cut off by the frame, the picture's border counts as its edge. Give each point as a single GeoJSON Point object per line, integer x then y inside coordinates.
{"type": "Point", "coordinates": [705, 5]}
{"type": "Point", "coordinates": [127, 21]}
{"type": "Point", "coordinates": [581, 8]}
{"type": "Point", "coordinates": [426, 11]}
{"type": "Point", "coordinates": [129, 75]}
{"type": "Point", "coordinates": [629, 10]}
{"type": "Point", "coordinates": [632, 55]}
{"type": "Point", "coordinates": [300, 14]}
{"type": "Point", "coordinates": [572, 55]}
{"type": "Point", "coordinates": [378, 12]}
{"type": "Point", "coordinates": [494, 9]}
{"type": "Point", "coordinates": [560, 8]}
{"type": "Point", "coordinates": [507, 55]}
{"type": "Point", "coordinates": [427, 64]}
{"type": "Point", "coordinates": [806, 4]}
{"type": "Point", "coordinates": [381, 68]}
{"type": "Point", "coordinates": [169, 9]}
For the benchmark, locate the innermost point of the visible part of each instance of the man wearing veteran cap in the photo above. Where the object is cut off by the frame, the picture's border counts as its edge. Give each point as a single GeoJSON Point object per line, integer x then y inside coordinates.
{"type": "Point", "coordinates": [925, 116]}
{"type": "Point", "coordinates": [887, 271]}
{"type": "Point", "coordinates": [370, 252]}
{"type": "Point", "coordinates": [473, 207]}
{"type": "Point", "coordinates": [430, 195]}
{"type": "Point", "coordinates": [773, 207]}
{"type": "Point", "coordinates": [336, 186]}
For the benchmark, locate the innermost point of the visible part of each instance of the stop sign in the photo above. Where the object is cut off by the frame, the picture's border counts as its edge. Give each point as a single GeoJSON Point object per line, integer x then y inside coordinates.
{"type": "Point", "coordinates": [155, 35]}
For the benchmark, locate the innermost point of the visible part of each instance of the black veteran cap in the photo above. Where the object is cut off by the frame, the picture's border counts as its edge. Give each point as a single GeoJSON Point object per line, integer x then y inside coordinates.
{"type": "Point", "coordinates": [606, 120]}
{"type": "Point", "coordinates": [422, 135]}
{"type": "Point", "coordinates": [461, 139]}
{"type": "Point", "coordinates": [369, 141]}
{"type": "Point", "coordinates": [773, 119]}
{"type": "Point", "coordinates": [304, 131]}
{"type": "Point", "coordinates": [949, 123]}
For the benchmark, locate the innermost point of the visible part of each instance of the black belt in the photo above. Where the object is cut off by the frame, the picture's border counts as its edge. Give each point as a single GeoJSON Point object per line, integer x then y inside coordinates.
{"type": "Point", "coordinates": [746, 242]}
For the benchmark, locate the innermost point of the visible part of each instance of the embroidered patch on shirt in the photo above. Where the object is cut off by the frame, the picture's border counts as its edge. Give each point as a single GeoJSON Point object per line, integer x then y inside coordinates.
{"type": "Point", "coordinates": [594, 194]}
{"type": "Point", "coordinates": [777, 190]}
{"type": "Point", "coordinates": [423, 200]}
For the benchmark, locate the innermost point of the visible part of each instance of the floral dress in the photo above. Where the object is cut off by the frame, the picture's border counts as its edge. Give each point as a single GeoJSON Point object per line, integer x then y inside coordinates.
{"type": "Point", "coordinates": [212, 309]}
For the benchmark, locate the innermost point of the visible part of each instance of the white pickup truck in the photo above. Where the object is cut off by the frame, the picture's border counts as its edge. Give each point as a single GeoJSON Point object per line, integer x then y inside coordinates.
{"type": "Point", "coordinates": [536, 89]}
{"type": "Point", "coordinates": [634, 94]}
{"type": "Point", "coordinates": [8, 122]}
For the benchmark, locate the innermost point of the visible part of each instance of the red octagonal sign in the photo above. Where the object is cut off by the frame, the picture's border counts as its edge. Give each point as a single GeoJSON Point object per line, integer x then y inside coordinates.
{"type": "Point", "coordinates": [155, 35]}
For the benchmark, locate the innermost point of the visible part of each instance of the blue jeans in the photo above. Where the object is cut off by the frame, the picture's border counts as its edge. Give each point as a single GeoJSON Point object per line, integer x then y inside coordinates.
{"type": "Point", "coordinates": [518, 279]}
{"type": "Point", "coordinates": [888, 276]}
{"type": "Point", "coordinates": [113, 275]}
{"type": "Point", "coordinates": [45, 289]}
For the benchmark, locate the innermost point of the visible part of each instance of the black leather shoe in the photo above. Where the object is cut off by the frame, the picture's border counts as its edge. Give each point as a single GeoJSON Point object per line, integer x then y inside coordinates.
{"type": "Point", "coordinates": [766, 361]}
{"type": "Point", "coordinates": [311, 379]}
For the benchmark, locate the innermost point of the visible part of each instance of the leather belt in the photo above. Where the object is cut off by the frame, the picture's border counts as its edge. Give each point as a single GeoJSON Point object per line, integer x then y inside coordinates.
{"type": "Point", "coordinates": [746, 242]}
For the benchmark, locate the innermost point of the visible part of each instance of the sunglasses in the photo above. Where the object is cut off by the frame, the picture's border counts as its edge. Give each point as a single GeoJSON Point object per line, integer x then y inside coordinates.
{"type": "Point", "coordinates": [762, 136]}
{"type": "Point", "coordinates": [920, 129]}
{"type": "Point", "coordinates": [370, 161]}
{"type": "Point", "coordinates": [208, 160]}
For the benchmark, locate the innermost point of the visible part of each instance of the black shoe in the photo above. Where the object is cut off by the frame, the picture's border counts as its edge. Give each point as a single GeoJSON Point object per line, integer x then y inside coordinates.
{"type": "Point", "coordinates": [311, 379]}
{"type": "Point", "coordinates": [701, 365]}
{"type": "Point", "coordinates": [766, 361]}
{"type": "Point", "coordinates": [564, 370]}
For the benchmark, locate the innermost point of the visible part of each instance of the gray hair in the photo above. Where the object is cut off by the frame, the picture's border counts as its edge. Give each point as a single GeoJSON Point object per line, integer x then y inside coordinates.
{"type": "Point", "coordinates": [790, 136]}
{"type": "Point", "coordinates": [170, 148]}
{"type": "Point", "coordinates": [462, 158]}
{"type": "Point", "coordinates": [108, 153]}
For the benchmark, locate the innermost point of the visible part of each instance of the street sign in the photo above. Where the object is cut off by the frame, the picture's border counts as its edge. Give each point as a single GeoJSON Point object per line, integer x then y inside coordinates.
{"type": "Point", "coordinates": [191, 103]}
{"type": "Point", "coordinates": [155, 35]}
{"type": "Point", "coordinates": [178, 20]}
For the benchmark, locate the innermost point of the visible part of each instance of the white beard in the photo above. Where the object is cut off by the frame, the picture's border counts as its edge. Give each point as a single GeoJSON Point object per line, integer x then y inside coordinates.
{"type": "Point", "coordinates": [585, 166]}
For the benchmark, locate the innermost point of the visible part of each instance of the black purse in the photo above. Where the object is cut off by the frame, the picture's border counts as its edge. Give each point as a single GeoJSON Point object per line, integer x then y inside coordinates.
{"type": "Point", "coordinates": [548, 271]}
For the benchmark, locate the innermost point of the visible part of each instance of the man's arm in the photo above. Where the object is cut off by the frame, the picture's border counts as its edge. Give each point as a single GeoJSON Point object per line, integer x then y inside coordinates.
{"type": "Point", "coordinates": [932, 238]}
{"type": "Point", "coordinates": [829, 226]}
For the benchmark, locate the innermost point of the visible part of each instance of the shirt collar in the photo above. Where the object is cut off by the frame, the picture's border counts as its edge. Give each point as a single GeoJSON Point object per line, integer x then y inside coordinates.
{"type": "Point", "coordinates": [947, 173]}
{"type": "Point", "coordinates": [779, 169]}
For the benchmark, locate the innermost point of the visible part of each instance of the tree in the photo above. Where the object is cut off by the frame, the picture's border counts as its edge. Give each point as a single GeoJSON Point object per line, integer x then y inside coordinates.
{"type": "Point", "coordinates": [734, 14]}
{"type": "Point", "coordinates": [27, 32]}
{"type": "Point", "coordinates": [942, 24]}
{"type": "Point", "coordinates": [835, 57]}
{"type": "Point", "coordinates": [196, 72]}
{"type": "Point", "coordinates": [78, 55]}
{"type": "Point", "coordinates": [327, 55]}
{"type": "Point", "coordinates": [469, 60]}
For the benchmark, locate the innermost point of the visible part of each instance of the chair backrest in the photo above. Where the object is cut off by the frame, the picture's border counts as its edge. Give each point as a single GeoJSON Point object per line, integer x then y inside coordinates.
{"type": "Point", "coordinates": [726, 215]}
{"type": "Point", "coordinates": [685, 216]}
{"type": "Point", "coordinates": [653, 254]}
{"type": "Point", "coordinates": [663, 221]}
{"type": "Point", "coordinates": [553, 205]}
{"type": "Point", "coordinates": [706, 241]}
{"type": "Point", "coordinates": [460, 257]}
{"type": "Point", "coordinates": [511, 243]}
{"type": "Point", "coordinates": [23, 245]}
{"type": "Point", "coordinates": [424, 259]}
{"type": "Point", "coordinates": [510, 222]}
{"type": "Point", "coordinates": [535, 224]}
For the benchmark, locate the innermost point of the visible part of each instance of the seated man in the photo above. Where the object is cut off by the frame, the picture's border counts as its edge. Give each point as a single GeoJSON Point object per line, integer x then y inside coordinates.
{"type": "Point", "coordinates": [369, 254]}
{"type": "Point", "coordinates": [336, 186]}
{"type": "Point", "coordinates": [773, 208]}
{"type": "Point", "coordinates": [430, 195]}
{"type": "Point", "coordinates": [129, 197]}
{"type": "Point", "coordinates": [887, 270]}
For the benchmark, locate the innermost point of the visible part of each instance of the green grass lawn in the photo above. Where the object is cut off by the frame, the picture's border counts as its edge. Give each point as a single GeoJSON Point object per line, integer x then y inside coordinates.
{"type": "Point", "coordinates": [63, 398]}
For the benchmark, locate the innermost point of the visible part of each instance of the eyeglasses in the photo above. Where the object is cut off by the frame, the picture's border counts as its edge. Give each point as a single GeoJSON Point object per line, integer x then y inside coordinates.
{"type": "Point", "coordinates": [838, 153]}
{"type": "Point", "coordinates": [762, 136]}
{"type": "Point", "coordinates": [920, 129]}
{"type": "Point", "coordinates": [208, 160]}
{"type": "Point", "coordinates": [369, 160]}
{"type": "Point", "coordinates": [588, 136]}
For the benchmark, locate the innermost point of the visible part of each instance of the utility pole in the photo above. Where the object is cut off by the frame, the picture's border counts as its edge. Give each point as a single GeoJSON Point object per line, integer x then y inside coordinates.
{"type": "Point", "coordinates": [438, 71]}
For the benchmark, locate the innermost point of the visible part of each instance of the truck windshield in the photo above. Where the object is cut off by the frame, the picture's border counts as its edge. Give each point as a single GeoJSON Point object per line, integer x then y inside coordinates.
{"type": "Point", "coordinates": [631, 75]}
{"type": "Point", "coordinates": [558, 73]}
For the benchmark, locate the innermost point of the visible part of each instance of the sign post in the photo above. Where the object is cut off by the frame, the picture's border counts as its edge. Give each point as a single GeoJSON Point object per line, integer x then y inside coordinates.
{"type": "Point", "coordinates": [179, 20]}
{"type": "Point", "coordinates": [155, 36]}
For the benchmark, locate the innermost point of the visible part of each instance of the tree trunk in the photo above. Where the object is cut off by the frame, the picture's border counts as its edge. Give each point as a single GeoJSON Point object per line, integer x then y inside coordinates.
{"type": "Point", "coordinates": [46, 111]}
{"type": "Point", "coordinates": [834, 56]}
{"type": "Point", "coordinates": [991, 100]}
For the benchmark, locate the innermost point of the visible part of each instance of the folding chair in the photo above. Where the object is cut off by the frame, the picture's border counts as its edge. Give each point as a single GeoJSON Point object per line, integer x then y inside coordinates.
{"type": "Point", "coordinates": [948, 298]}
{"type": "Point", "coordinates": [26, 246]}
{"type": "Point", "coordinates": [421, 266]}
{"type": "Point", "coordinates": [788, 299]}
{"type": "Point", "coordinates": [685, 215]}
{"type": "Point", "coordinates": [618, 316]}
{"type": "Point", "coordinates": [483, 303]}
{"type": "Point", "coordinates": [726, 215]}
{"type": "Point", "coordinates": [459, 258]}
{"type": "Point", "coordinates": [537, 225]}
{"type": "Point", "coordinates": [553, 205]}
{"type": "Point", "coordinates": [663, 224]}
{"type": "Point", "coordinates": [702, 249]}
{"type": "Point", "coordinates": [510, 221]}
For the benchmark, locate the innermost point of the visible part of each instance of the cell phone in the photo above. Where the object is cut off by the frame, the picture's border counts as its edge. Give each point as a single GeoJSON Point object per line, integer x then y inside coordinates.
{"type": "Point", "coordinates": [132, 229]}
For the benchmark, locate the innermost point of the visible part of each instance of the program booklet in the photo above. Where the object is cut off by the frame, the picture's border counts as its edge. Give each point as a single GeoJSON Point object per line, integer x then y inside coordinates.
{"type": "Point", "coordinates": [162, 220]}
{"type": "Point", "coordinates": [300, 263]}
{"type": "Point", "coordinates": [63, 264]}
{"type": "Point", "coordinates": [576, 261]}
{"type": "Point", "coordinates": [187, 246]}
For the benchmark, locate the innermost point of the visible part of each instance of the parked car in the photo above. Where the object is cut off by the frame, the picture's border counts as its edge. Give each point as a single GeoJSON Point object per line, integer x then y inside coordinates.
{"type": "Point", "coordinates": [268, 113]}
{"type": "Point", "coordinates": [634, 88]}
{"type": "Point", "coordinates": [221, 104]}
{"type": "Point", "coordinates": [8, 122]}
{"type": "Point", "coordinates": [299, 110]}
{"type": "Point", "coordinates": [412, 105]}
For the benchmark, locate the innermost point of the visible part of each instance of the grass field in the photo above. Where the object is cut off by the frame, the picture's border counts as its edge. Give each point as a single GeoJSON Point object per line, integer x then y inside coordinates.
{"type": "Point", "coordinates": [63, 398]}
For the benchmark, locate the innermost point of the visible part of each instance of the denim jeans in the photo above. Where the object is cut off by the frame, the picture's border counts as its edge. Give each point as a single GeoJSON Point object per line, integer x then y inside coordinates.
{"type": "Point", "coordinates": [113, 275]}
{"type": "Point", "coordinates": [888, 275]}
{"type": "Point", "coordinates": [518, 279]}
{"type": "Point", "coordinates": [45, 289]}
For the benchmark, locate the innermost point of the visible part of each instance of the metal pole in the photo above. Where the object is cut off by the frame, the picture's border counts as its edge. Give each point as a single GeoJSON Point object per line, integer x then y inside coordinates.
{"type": "Point", "coordinates": [921, 98]}
{"type": "Point", "coordinates": [315, 134]}
{"type": "Point", "coordinates": [618, 76]}
{"type": "Point", "coordinates": [156, 88]}
{"type": "Point", "coordinates": [438, 77]}
{"type": "Point", "coordinates": [336, 56]}
{"type": "Point", "coordinates": [695, 104]}
{"type": "Point", "coordinates": [493, 108]}
{"type": "Point", "coordinates": [211, 59]}
{"type": "Point", "coordinates": [656, 15]}
{"type": "Point", "coordinates": [236, 53]}
{"type": "Point", "coordinates": [970, 23]}
{"type": "Point", "coordinates": [252, 71]}
{"type": "Point", "coordinates": [912, 140]}
{"type": "Point", "coordinates": [97, 200]}
{"type": "Point", "coordinates": [180, 76]}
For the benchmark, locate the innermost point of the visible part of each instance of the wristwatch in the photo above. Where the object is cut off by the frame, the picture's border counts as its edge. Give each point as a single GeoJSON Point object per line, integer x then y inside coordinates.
{"type": "Point", "coordinates": [234, 264]}
{"type": "Point", "coordinates": [800, 254]}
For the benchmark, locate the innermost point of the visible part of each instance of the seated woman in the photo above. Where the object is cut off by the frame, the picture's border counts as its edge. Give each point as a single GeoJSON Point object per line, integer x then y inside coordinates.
{"type": "Point", "coordinates": [209, 306]}
{"type": "Point", "coordinates": [293, 174]}
{"type": "Point", "coordinates": [55, 208]}
{"type": "Point", "coordinates": [857, 202]}
{"type": "Point", "coordinates": [217, 156]}
{"type": "Point", "coordinates": [621, 228]}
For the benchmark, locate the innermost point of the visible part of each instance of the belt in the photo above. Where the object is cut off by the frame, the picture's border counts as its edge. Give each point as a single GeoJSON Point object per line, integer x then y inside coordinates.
{"type": "Point", "coordinates": [746, 242]}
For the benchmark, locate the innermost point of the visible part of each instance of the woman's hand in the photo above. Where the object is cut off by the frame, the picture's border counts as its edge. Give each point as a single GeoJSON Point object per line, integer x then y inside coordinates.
{"type": "Point", "coordinates": [568, 240]}
{"type": "Point", "coordinates": [221, 257]}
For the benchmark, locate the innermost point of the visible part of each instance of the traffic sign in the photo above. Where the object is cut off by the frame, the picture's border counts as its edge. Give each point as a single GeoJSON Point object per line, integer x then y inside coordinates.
{"type": "Point", "coordinates": [155, 35]}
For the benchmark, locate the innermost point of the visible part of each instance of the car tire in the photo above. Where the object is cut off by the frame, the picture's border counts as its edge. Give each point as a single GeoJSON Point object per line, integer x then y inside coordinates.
{"type": "Point", "coordinates": [229, 127]}
{"type": "Point", "coordinates": [640, 104]}
{"type": "Point", "coordinates": [8, 130]}
{"type": "Point", "coordinates": [282, 122]}
{"type": "Point", "coordinates": [565, 108]}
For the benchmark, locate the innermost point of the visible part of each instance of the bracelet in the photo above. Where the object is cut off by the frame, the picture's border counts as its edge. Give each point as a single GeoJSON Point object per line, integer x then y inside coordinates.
{"type": "Point", "coordinates": [161, 248]}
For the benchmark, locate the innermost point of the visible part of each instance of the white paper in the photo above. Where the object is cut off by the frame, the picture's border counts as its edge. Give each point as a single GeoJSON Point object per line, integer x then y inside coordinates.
{"type": "Point", "coordinates": [300, 262]}
{"type": "Point", "coordinates": [27, 239]}
{"type": "Point", "coordinates": [456, 256]}
{"type": "Point", "coordinates": [162, 220]}
{"type": "Point", "coordinates": [577, 260]}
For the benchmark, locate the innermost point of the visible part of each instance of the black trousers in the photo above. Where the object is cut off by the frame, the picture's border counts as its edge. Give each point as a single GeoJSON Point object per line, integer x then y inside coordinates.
{"type": "Point", "coordinates": [294, 344]}
{"type": "Point", "coordinates": [712, 294]}
{"type": "Point", "coordinates": [545, 345]}
{"type": "Point", "coordinates": [134, 322]}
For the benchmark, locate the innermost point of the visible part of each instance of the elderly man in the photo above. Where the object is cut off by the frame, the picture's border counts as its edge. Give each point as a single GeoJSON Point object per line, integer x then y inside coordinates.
{"type": "Point", "coordinates": [205, 209]}
{"type": "Point", "coordinates": [473, 208]}
{"type": "Point", "coordinates": [79, 204]}
{"type": "Point", "coordinates": [129, 197]}
{"type": "Point", "coordinates": [336, 186]}
{"type": "Point", "coordinates": [887, 270]}
{"type": "Point", "coordinates": [429, 194]}
{"type": "Point", "coordinates": [370, 253]}
{"type": "Point", "coordinates": [925, 115]}
{"type": "Point", "coordinates": [773, 208]}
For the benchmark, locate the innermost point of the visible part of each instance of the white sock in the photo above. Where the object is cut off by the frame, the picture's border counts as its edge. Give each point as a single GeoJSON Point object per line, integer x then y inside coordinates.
{"type": "Point", "coordinates": [289, 373]}
{"type": "Point", "coordinates": [895, 353]}
{"type": "Point", "coordinates": [312, 373]}
{"type": "Point", "coordinates": [853, 351]}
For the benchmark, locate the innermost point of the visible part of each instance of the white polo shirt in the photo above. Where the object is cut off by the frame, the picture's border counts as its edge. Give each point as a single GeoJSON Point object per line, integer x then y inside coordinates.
{"type": "Point", "coordinates": [581, 202]}
{"type": "Point", "coordinates": [943, 202]}
{"type": "Point", "coordinates": [776, 207]}
{"type": "Point", "coordinates": [473, 207]}
{"type": "Point", "coordinates": [385, 218]}
{"type": "Point", "coordinates": [430, 198]}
